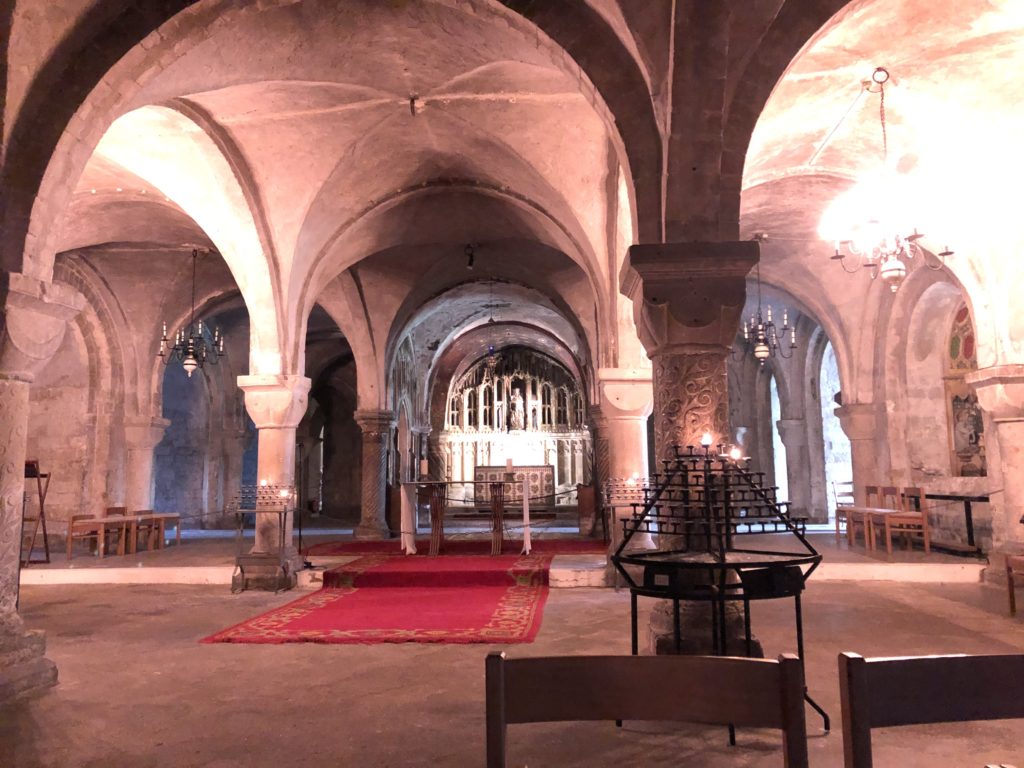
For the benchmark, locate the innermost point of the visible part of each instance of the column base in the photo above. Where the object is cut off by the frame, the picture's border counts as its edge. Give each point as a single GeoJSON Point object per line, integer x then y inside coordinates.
{"type": "Point", "coordinates": [24, 668]}
{"type": "Point", "coordinates": [373, 531]}
{"type": "Point", "coordinates": [695, 637]}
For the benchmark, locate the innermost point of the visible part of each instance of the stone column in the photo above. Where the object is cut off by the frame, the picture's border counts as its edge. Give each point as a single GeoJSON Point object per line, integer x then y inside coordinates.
{"type": "Point", "coordinates": [862, 425]}
{"type": "Point", "coordinates": [376, 426]}
{"type": "Point", "coordinates": [141, 436]}
{"type": "Point", "coordinates": [35, 317]}
{"type": "Point", "coordinates": [1000, 392]}
{"type": "Point", "coordinates": [794, 438]}
{"type": "Point", "coordinates": [687, 299]}
{"type": "Point", "coordinates": [276, 405]}
{"type": "Point", "coordinates": [626, 398]}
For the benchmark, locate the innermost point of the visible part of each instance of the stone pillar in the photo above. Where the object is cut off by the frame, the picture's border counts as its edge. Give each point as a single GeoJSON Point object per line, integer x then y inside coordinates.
{"type": "Point", "coordinates": [1000, 392]}
{"type": "Point", "coordinates": [35, 317]}
{"type": "Point", "coordinates": [376, 426]}
{"type": "Point", "coordinates": [862, 425]}
{"type": "Point", "coordinates": [626, 397]}
{"type": "Point", "coordinates": [687, 299]}
{"type": "Point", "coordinates": [276, 405]}
{"type": "Point", "coordinates": [794, 437]}
{"type": "Point", "coordinates": [141, 436]}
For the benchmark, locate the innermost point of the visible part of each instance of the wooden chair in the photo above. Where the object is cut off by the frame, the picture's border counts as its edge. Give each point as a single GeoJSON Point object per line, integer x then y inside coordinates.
{"type": "Point", "coordinates": [914, 690]}
{"type": "Point", "coordinates": [910, 519]}
{"type": "Point", "coordinates": [1014, 567]}
{"type": "Point", "coordinates": [842, 492]}
{"type": "Point", "coordinates": [704, 689]}
{"type": "Point", "coordinates": [857, 518]}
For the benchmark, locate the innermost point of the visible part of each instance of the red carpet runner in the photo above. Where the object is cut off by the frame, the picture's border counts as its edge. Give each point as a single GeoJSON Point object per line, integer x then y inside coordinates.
{"type": "Point", "coordinates": [395, 599]}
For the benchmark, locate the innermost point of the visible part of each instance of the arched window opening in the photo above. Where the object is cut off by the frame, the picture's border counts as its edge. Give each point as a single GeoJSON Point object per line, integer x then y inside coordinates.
{"type": "Point", "coordinates": [778, 448]}
{"type": "Point", "coordinates": [487, 409]}
{"type": "Point", "coordinates": [562, 410]}
{"type": "Point", "coordinates": [838, 457]}
{"type": "Point", "coordinates": [545, 413]}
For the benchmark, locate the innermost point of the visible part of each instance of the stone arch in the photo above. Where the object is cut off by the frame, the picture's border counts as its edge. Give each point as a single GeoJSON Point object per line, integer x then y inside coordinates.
{"type": "Point", "coordinates": [105, 62]}
{"type": "Point", "coordinates": [214, 190]}
{"type": "Point", "coordinates": [368, 233]}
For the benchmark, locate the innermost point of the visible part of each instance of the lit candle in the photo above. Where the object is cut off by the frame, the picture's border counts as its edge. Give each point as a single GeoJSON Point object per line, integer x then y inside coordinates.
{"type": "Point", "coordinates": [165, 330]}
{"type": "Point", "coordinates": [706, 439]}
{"type": "Point", "coordinates": [769, 313]}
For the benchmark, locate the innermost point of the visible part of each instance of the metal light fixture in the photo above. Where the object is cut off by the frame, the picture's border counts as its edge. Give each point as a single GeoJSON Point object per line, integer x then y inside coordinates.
{"type": "Point", "coordinates": [191, 346]}
{"type": "Point", "coordinates": [763, 337]}
{"type": "Point", "coordinates": [873, 238]}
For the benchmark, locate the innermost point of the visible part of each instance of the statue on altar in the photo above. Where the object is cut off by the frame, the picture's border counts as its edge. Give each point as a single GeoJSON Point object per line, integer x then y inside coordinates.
{"type": "Point", "coordinates": [517, 417]}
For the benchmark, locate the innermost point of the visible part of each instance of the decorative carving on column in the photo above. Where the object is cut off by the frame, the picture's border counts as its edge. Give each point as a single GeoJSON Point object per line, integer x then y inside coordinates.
{"type": "Point", "coordinates": [32, 326]}
{"type": "Point", "coordinates": [687, 299]}
{"type": "Point", "coordinates": [376, 427]}
{"type": "Point", "coordinates": [690, 399]}
{"type": "Point", "coordinates": [602, 459]}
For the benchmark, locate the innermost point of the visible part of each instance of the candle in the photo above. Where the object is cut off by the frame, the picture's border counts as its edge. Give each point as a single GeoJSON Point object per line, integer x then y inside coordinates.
{"type": "Point", "coordinates": [706, 439]}
{"type": "Point", "coordinates": [508, 465]}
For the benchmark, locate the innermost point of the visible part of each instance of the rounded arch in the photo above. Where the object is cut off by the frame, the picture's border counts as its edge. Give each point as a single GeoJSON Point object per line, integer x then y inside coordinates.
{"type": "Point", "coordinates": [107, 61]}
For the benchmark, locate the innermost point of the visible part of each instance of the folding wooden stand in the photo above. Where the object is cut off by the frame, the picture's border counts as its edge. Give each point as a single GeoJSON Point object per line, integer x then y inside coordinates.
{"type": "Point", "coordinates": [31, 526]}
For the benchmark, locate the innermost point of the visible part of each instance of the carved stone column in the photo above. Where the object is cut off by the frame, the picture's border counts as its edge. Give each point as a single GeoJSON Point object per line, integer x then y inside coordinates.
{"type": "Point", "coordinates": [141, 436]}
{"type": "Point", "coordinates": [687, 299]}
{"type": "Point", "coordinates": [35, 317]}
{"type": "Point", "coordinates": [376, 426]}
{"type": "Point", "coordinates": [794, 438]}
{"type": "Point", "coordinates": [1000, 392]}
{"type": "Point", "coordinates": [862, 424]}
{"type": "Point", "coordinates": [276, 404]}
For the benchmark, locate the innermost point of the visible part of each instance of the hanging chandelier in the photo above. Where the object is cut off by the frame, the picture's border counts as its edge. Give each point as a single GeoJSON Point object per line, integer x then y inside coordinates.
{"type": "Point", "coordinates": [191, 345]}
{"type": "Point", "coordinates": [762, 336]}
{"type": "Point", "coordinates": [869, 223]}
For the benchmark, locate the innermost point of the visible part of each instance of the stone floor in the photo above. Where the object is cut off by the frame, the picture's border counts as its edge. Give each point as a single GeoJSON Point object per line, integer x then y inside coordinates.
{"type": "Point", "coordinates": [137, 689]}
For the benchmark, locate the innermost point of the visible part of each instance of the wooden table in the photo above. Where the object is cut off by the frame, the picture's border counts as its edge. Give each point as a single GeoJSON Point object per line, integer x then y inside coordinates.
{"type": "Point", "coordinates": [158, 522]}
{"type": "Point", "coordinates": [100, 525]}
{"type": "Point", "coordinates": [967, 499]}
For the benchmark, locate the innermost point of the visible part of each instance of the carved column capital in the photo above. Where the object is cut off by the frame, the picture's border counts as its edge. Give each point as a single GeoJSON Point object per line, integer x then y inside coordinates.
{"type": "Point", "coordinates": [860, 421]}
{"type": "Point", "coordinates": [144, 433]}
{"type": "Point", "coordinates": [375, 424]}
{"type": "Point", "coordinates": [275, 401]}
{"type": "Point", "coordinates": [626, 393]}
{"type": "Point", "coordinates": [33, 322]}
{"type": "Point", "coordinates": [793, 432]}
{"type": "Point", "coordinates": [687, 296]}
{"type": "Point", "coordinates": [1000, 390]}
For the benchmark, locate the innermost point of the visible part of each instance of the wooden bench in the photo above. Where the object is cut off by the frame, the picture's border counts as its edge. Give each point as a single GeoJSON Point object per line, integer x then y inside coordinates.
{"type": "Point", "coordinates": [720, 690]}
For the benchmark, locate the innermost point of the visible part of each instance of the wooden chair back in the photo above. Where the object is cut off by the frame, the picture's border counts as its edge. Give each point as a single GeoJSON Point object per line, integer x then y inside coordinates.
{"type": "Point", "coordinates": [842, 493]}
{"type": "Point", "coordinates": [113, 511]}
{"type": "Point", "coordinates": [758, 693]}
{"type": "Point", "coordinates": [871, 496]}
{"type": "Point", "coordinates": [889, 497]}
{"type": "Point", "coordinates": [913, 499]}
{"type": "Point", "coordinates": [914, 690]}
